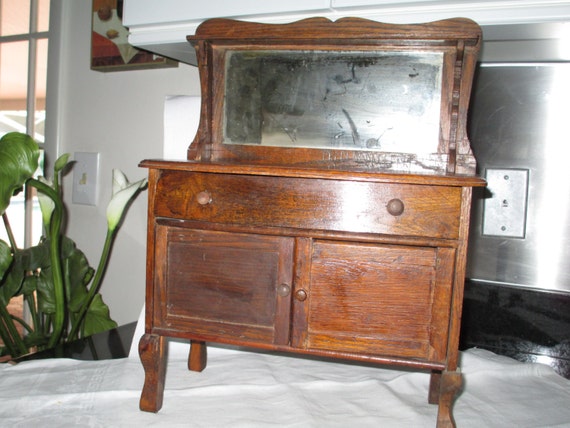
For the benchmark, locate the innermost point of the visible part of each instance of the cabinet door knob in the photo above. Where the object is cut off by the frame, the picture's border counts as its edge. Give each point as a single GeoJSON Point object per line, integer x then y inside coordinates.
{"type": "Point", "coordinates": [395, 207]}
{"type": "Point", "coordinates": [301, 295]}
{"type": "Point", "coordinates": [204, 197]}
{"type": "Point", "coordinates": [283, 290]}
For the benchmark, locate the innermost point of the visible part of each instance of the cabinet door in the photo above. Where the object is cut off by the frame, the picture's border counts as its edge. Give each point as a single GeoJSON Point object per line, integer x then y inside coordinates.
{"type": "Point", "coordinates": [386, 300]}
{"type": "Point", "coordinates": [227, 286]}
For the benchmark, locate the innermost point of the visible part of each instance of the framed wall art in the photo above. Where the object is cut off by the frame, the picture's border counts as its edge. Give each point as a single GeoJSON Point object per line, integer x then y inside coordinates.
{"type": "Point", "coordinates": [110, 49]}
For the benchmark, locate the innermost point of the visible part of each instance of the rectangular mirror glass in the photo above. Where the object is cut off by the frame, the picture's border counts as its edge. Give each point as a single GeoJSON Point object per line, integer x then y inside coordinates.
{"type": "Point", "coordinates": [387, 101]}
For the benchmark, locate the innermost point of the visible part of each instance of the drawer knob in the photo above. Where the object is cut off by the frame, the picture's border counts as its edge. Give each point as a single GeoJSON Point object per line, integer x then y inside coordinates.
{"type": "Point", "coordinates": [395, 207]}
{"type": "Point", "coordinates": [301, 295]}
{"type": "Point", "coordinates": [204, 197]}
{"type": "Point", "coordinates": [283, 290]}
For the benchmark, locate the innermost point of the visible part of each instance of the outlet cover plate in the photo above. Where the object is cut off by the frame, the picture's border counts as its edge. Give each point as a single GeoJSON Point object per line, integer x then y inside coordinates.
{"type": "Point", "coordinates": [505, 211]}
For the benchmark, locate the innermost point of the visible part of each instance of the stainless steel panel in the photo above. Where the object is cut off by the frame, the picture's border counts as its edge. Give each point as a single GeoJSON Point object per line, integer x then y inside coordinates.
{"type": "Point", "coordinates": [540, 42]}
{"type": "Point", "coordinates": [519, 119]}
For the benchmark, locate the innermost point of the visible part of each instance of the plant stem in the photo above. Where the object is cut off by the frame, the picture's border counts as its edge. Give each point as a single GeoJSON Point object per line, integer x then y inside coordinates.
{"type": "Point", "coordinates": [95, 285]}
{"type": "Point", "coordinates": [22, 323]}
{"type": "Point", "coordinates": [9, 232]}
{"type": "Point", "coordinates": [31, 301]}
{"type": "Point", "coordinates": [55, 259]}
{"type": "Point", "coordinates": [10, 335]}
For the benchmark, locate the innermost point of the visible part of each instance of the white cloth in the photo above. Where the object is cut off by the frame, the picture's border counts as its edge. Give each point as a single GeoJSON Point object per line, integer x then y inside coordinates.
{"type": "Point", "coordinates": [250, 389]}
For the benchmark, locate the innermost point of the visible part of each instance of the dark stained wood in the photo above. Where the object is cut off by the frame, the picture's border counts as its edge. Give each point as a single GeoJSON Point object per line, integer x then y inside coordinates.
{"type": "Point", "coordinates": [388, 307]}
{"type": "Point", "coordinates": [347, 30]}
{"type": "Point", "coordinates": [338, 173]}
{"type": "Point", "coordinates": [451, 383]}
{"type": "Point", "coordinates": [458, 39]}
{"type": "Point", "coordinates": [434, 387]}
{"type": "Point", "coordinates": [343, 254]}
{"type": "Point", "coordinates": [198, 356]}
{"type": "Point", "coordinates": [152, 350]}
{"type": "Point", "coordinates": [283, 202]}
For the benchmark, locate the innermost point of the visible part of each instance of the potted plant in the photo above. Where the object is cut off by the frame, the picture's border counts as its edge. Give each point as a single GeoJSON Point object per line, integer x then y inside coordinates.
{"type": "Point", "coordinates": [60, 289]}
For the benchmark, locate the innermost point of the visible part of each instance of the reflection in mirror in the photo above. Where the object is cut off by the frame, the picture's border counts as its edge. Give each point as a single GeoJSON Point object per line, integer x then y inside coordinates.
{"type": "Point", "coordinates": [381, 101]}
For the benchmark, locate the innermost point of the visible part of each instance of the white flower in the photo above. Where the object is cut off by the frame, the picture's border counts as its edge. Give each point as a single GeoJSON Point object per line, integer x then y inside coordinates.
{"type": "Point", "coordinates": [47, 205]}
{"type": "Point", "coordinates": [123, 192]}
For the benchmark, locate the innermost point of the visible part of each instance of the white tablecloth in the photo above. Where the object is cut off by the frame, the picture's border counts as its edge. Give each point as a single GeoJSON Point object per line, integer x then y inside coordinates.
{"type": "Point", "coordinates": [249, 389]}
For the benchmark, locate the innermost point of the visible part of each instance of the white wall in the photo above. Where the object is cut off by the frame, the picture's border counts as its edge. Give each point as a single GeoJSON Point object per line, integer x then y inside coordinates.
{"type": "Point", "coordinates": [119, 115]}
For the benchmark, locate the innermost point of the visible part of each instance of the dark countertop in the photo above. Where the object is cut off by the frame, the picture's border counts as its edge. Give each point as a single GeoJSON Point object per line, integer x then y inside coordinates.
{"type": "Point", "coordinates": [111, 344]}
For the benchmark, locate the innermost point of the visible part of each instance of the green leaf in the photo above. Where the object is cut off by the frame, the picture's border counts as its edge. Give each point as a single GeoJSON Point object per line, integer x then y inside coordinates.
{"type": "Point", "coordinates": [46, 292]}
{"type": "Point", "coordinates": [19, 155]}
{"type": "Point", "coordinates": [97, 318]}
{"type": "Point", "coordinates": [78, 274]}
{"type": "Point", "coordinates": [15, 281]}
{"type": "Point", "coordinates": [35, 338]}
{"type": "Point", "coordinates": [29, 285]}
{"type": "Point", "coordinates": [12, 282]}
{"type": "Point", "coordinates": [5, 258]}
{"type": "Point", "coordinates": [61, 162]}
{"type": "Point", "coordinates": [6, 289]}
{"type": "Point", "coordinates": [36, 257]}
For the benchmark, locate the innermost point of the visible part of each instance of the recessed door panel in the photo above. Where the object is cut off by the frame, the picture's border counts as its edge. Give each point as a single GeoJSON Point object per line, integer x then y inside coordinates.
{"type": "Point", "coordinates": [226, 284]}
{"type": "Point", "coordinates": [379, 299]}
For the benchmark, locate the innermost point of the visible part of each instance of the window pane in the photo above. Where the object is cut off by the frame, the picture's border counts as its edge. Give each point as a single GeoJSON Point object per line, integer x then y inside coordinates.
{"type": "Point", "coordinates": [41, 78]}
{"type": "Point", "coordinates": [14, 17]}
{"type": "Point", "coordinates": [13, 76]}
{"type": "Point", "coordinates": [43, 15]}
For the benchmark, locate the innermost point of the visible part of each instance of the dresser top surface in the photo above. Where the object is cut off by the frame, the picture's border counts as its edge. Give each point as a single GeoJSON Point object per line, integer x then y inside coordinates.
{"type": "Point", "coordinates": [314, 172]}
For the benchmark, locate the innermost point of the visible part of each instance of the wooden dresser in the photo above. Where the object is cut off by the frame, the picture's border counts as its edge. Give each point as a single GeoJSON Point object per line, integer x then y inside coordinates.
{"type": "Point", "coordinates": [324, 207]}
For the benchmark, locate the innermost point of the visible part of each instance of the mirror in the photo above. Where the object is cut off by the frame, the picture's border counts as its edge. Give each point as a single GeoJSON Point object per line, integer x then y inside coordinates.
{"type": "Point", "coordinates": [388, 101]}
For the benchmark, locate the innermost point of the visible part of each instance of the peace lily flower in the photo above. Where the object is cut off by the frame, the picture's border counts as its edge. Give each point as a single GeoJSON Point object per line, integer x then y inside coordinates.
{"type": "Point", "coordinates": [68, 295]}
{"type": "Point", "coordinates": [123, 192]}
{"type": "Point", "coordinates": [47, 205]}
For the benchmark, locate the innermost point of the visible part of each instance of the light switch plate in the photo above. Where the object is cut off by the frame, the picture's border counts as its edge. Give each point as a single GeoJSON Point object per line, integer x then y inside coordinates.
{"type": "Point", "coordinates": [505, 211]}
{"type": "Point", "coordinates": [85, 178]}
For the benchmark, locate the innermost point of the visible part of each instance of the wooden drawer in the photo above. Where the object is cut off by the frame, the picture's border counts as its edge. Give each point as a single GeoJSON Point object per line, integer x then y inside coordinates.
{"type": "Point", "coordinates": [301, 203]}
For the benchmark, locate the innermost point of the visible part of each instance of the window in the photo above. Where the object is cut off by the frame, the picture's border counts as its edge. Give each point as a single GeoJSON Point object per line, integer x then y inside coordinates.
{"type": "Point", "coordinates": [23, 71]}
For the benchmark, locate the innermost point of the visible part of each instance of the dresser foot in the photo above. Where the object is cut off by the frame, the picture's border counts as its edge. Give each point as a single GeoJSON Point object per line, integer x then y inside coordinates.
{"type": "Point", "coordinates": [152, 351]}
{"type": "Point", "coordinates": [198, 356]}
{"type": "Point", "coordinates": [434, 387]}
{"type": "Point", "coordinates": [450, 386]}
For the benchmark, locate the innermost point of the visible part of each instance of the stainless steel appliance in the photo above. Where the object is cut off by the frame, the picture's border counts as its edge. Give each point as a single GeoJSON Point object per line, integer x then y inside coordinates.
{"type": "Point", "coordinates": [517, 296]}
{"type": "Point", "coordinates": [519, 130]}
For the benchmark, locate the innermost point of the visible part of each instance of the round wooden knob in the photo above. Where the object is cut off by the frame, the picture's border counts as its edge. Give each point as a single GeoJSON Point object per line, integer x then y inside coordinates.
{"type": "Point", "coordinates": [395, 207]}
{"type": "Point", "coordinates": [283, 290]}
{"type": "Point", "coordinates": [204, 197]}
{"type": "Point", "coordinates": [301, 295]}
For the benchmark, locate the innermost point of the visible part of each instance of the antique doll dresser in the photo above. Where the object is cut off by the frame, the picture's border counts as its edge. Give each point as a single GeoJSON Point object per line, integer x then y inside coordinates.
{"type": "Point", "coordinates": [324, 206]}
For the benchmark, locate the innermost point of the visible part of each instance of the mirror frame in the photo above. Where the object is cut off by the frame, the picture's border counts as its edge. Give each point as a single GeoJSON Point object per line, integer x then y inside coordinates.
{"type": "Point", "coordinates": [218, 40]}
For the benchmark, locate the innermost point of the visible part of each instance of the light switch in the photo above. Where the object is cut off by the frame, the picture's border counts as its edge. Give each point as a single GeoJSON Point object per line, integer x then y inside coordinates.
{"type": "Point", "coordinates": [505, 211]}
{"type": "Point", "coordinates": [85, 178]}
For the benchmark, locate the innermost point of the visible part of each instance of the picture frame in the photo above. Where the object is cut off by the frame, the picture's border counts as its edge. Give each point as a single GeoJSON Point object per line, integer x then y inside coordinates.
{"type": "Point", "coordinates": [110, 50]}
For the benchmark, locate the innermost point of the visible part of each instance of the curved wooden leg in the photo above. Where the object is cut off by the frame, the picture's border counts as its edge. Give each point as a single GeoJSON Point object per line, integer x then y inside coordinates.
{"type": "Point", "coordinates": [152, 350]}
{"type": "Point", "coordinates": [450, 386]}
{"type": "Point", "coordinates": [198, 356]}
{"type": "Point", "coordinates": [434, 387]}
